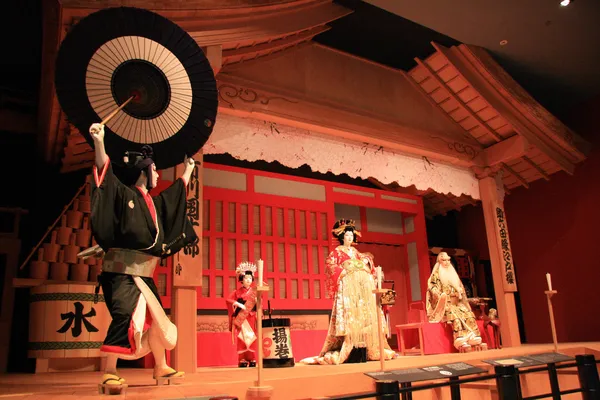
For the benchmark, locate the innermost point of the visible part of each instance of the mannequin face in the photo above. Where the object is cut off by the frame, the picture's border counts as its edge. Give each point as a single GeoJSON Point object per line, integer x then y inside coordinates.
{"type": "Point", "coordinates": [247, 281]}
{"type": "Point", "coordinates": [143, 181]}
{"type": "Point", "coordinates": [348, 238]}
{"type": "Point", "coordinates": [444, 260]}
{"type": "Point", "coordinates": [154, 177]}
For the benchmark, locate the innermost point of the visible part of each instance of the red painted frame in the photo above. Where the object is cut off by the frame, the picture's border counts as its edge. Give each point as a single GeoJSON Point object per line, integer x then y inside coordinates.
{"type": "Point", "coordinates": [251, 198]}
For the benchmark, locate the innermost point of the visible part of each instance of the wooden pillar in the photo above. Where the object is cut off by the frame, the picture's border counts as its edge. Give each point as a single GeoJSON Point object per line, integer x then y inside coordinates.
{"type": "Point", "coordinates": [491, 190]}
{"type": "Point", "coordinates": [187, 264]}
{"type": "Point", "coordinates": [187, 278]}
{"type": "Point", "coordinates": [422, 250]}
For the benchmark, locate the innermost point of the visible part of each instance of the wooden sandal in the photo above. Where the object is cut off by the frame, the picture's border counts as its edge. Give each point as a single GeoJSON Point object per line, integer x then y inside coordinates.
{"type": "Point", "coordinates": [111, 384]}
{"type": "Point", "coordinates": [169, 378]}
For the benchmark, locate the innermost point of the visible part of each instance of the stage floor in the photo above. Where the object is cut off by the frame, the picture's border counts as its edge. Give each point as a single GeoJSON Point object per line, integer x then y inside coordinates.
{"type": "Point", "coordinates": [299, 382]}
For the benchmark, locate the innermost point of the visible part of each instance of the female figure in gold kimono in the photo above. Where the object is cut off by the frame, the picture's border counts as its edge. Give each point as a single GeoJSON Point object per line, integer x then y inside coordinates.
{"type": "Point", "coordinates": [353, 335]}
{"type": "Point", "coordinates": [447, 302]}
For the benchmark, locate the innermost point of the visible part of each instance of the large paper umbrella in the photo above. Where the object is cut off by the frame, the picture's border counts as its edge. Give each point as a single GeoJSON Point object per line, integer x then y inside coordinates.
{"type": "Point", "coordinates": [134, 56]}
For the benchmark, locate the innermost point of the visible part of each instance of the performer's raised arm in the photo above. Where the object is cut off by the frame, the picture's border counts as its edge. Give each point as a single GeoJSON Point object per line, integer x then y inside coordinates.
{"type": "Point", "coordinates": [189, 168]}
{"type": "Point", "coordinates": [97, 132]}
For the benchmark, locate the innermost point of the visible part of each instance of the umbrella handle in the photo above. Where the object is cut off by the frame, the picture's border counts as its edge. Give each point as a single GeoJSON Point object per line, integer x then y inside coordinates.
{"type": "Point", "coordinates": [114, 112]}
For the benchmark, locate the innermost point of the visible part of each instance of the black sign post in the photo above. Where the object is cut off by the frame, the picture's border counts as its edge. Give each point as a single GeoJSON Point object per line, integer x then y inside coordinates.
{"type": "Point", "coordinates": [506, 386]}
{"type": "Point", "coordinates": [530, 361]}
{"type": "Point", "coordinates": [405, 377]}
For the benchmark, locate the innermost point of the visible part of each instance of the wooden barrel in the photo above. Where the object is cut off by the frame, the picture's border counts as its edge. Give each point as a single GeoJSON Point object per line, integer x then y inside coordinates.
{"type": "Point", "coordinates": [64, 321]}
{"type": "Point", "coordinates": [277, 343]}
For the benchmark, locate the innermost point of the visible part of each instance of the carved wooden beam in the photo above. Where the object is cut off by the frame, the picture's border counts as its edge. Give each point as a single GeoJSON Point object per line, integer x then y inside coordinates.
{"type": "Point", "coordinates": [482, 172]}
{"type": "Point", "coordinates": [473, 75]}
{"type": "Point", "coordinates": [291, 106]}
{"type": "Point", "coordinates": [465, 107]}
{"type": "Point", "coordinates": [516, 175]}
{"type": "Point", "coordinates": [438, 106]}
{"type": "Point", "coordinates": [537, 167]}
{"type": "Point", "coordinates": [245, 53]}
{"type": "Point", "coordinates": [173, 4]}
{"type": "Point", "coordinates": [257, 25]}
{"type": "Point", "coordinates": [507, 150]}
{"type": "Point", "coordinates": [541, 120]}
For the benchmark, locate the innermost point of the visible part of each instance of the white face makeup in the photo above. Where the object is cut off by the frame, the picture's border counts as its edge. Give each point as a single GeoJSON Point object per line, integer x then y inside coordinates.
{"type": "Point", "coordinates": [154, 179]}
{"type": "Point", "coordinates": [444, 260]}
{"type": "Point", "coordinates": [348, 238]}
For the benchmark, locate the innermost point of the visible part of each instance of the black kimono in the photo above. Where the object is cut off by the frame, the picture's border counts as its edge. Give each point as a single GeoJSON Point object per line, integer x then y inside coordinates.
{"type": "Point", "coordinates": [136, 230]}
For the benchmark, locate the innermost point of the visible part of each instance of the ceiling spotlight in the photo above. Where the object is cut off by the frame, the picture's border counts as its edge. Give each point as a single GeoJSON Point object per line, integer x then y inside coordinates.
{"type": "Point", "coordinates": [565, 3]}
{"type": "Point", "coordinates": [503, 42]}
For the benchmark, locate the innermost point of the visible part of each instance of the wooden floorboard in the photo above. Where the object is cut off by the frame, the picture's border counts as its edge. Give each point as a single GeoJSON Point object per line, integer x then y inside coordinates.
{"type": "Point", "coordinates": [299, 382]}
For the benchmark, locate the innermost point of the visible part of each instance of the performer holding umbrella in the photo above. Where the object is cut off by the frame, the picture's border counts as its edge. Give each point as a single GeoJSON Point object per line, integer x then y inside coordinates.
{"type": "Point", "coordinates": [154, 91]}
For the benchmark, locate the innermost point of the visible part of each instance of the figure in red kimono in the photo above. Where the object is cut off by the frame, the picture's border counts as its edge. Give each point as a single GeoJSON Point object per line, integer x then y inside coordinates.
{"type": "Point", "coordinates": [353, 334]}
{"type": "Point", "coordinates": [134, 231]}
{"type": "Point", "coordinates": [241, 307]}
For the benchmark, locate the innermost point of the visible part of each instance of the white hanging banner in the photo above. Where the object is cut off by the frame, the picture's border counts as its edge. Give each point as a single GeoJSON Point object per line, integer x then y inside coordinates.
{"type": "Point", "coordinates": [252, 140]}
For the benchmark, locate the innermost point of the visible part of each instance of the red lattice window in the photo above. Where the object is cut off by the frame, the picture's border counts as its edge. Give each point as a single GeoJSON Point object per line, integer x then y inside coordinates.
{"type": "Point", "coordinates": [286, 221]}
{"type": "Point", "coordinates": [291, 235]}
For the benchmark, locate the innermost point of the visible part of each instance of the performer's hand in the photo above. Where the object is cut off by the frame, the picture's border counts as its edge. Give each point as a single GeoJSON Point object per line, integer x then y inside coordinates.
{"type": "Point", "coordinates": [97, 132]}
{"type": "Point", "coordinates": [189, 163]}
{"type": "Point", "coordinates": [243, 307]}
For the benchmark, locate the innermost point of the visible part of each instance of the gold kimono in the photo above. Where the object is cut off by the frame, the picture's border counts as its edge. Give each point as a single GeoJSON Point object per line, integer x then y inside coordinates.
{"type": "Point", "coordinates": [445, 303]}
{"type": "Point", "coordinates": [353, 317]}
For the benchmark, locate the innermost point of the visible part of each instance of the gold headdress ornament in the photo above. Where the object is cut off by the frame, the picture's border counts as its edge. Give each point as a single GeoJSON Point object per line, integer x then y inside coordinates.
{"type": "Point", "coordinates": [242, 268]}
{"type": "Point", "coordinates": [345, 223]}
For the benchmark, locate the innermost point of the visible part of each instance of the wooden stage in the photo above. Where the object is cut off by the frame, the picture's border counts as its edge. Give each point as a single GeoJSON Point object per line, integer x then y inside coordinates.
{"type": "Point", "coordinates": [299, 382]}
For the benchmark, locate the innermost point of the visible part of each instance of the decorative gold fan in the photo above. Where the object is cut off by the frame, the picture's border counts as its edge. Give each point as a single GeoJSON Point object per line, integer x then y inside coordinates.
{"type": "Point", "coordinates": [141, 75]}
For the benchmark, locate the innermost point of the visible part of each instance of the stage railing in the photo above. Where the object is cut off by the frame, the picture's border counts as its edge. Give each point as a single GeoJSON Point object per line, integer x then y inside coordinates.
{"type": "Point", "coordinates": [507, 380]}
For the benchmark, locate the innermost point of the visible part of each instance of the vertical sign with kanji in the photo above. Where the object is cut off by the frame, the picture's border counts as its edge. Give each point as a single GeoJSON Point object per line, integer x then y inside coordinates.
{"type": "Point", "coordinates": [193, 210]}
{"type": "Point", "coordinates": [187, 264]}
{"type": "Point", "coordinates": [187, 275]}
{"type": "Point", "coordinates": [510, 280]}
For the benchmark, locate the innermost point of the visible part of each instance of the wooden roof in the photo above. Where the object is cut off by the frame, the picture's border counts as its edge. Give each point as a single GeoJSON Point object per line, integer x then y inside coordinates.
{"type": "Point", "coordinates": [502, 126]}
{"type": "Point", "coordinates": [243, 30]}
{"type": "Point", "coordinates": [533, 143]}
{"type": "Point", "coordinates": [518, 135]}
